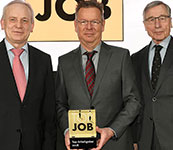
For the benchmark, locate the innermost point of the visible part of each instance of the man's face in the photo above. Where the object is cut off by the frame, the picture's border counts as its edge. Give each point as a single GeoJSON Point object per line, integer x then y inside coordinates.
{"type": "Point", "coordinates": [17, 24]}
{"type": "Point", "coordinates": [89, 26]}
{"type": "Point", "coordinates": [158, 28]}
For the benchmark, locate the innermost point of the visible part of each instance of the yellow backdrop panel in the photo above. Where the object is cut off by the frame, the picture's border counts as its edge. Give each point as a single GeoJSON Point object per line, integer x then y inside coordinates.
{"type": "Point", "coordinates": [54, 28]}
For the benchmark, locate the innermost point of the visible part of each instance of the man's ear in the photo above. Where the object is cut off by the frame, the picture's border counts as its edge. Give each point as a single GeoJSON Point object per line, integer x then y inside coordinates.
{"type": "Point", "coordinates": [75, 25]}
{"type": "Point", "coordinates": [32, 27]}
{"type": "Point", "coordinates": [2, 24]}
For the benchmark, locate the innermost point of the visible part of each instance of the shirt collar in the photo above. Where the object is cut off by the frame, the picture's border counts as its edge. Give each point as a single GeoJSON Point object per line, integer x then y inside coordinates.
{"type": "Point", "coordinates": [9, 46]}
{"type": "Point", "coordinates": [97, 49]}
{"type": "Point", "coordinates": [164, 43]}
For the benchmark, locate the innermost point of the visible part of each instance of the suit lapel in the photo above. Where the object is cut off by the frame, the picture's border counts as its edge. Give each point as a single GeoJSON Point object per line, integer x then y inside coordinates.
{"type": "Point", "coordinates": [7, 71]}
{"type": "Point", "coordinates": [145, 67]}
{"type": "Point", "coordinates": [30, 72]}
{"type": "Point", "coordinates": [77, 64]}
{"type": "Point", "coordinates": [167, 63]}
{"type": "Point", "coordinates": [104, 58]}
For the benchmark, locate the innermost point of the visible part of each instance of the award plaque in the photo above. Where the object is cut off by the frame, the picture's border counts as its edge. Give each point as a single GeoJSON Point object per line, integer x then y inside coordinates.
{"type": "Point", "coordinates": [82, 128]}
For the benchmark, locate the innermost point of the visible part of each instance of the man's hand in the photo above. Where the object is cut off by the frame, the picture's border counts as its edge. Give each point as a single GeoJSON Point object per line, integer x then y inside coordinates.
{"type": "Point", "coordinates": [135, 146]}
{"type": "Point", "coordinates": [106, 134]}
{"type": "Point", "coordinates": [67, 141]}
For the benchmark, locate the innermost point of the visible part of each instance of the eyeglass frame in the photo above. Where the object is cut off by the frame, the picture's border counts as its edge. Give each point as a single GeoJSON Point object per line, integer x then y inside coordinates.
{"type": "Point", "coordinates": [92, 22]}
{"type": "Point", "coordinates": [159, 18]}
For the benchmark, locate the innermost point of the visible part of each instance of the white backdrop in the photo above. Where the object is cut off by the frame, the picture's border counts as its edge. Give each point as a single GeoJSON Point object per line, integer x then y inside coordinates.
{"type": "Point", "coordinates": [135, 36]}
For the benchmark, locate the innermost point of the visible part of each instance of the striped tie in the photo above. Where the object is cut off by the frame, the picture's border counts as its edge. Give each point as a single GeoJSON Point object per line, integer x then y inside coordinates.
{"type": "Point", "coordinates": [90, 72]}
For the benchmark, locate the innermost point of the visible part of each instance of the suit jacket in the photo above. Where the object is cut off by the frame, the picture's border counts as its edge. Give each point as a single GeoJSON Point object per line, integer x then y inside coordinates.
{"type": "Point", "coordinates": [157, 104]}
{"type": "Point", "coordinates": [31, 122]}
{"type": "Point", "coordinates": [115, 96]}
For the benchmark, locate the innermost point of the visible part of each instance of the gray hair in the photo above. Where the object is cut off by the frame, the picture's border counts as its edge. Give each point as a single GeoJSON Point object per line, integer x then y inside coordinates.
{"type": "Point", "coordinates": [156, 3]}
{"type": "Point", "coordinates": [19, 2]}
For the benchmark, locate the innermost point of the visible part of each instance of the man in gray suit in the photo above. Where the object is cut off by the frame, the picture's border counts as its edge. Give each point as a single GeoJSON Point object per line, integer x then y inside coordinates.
{"type": "Point", "coordinates": [112, 91]}
{"type": "Point", "coordinates": [154, 71]}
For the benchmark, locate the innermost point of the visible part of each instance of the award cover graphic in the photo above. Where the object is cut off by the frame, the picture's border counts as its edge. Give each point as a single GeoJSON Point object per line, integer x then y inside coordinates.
{"type": "Point", "coordinates": [82, 128]}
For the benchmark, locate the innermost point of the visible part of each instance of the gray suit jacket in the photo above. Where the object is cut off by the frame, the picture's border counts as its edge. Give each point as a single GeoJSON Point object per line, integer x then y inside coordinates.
{"type": "Point", "coordinates": [158, 105]}
{"type": "Point", "coordinates": [115, 96]}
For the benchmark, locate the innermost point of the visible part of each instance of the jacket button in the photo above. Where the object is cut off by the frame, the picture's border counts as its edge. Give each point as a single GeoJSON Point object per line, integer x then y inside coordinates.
{"type": "Point", "coordinates": [23, 106]}
{"type": "Point", "coordinates": [154, 99]}
{"type": "Point", "coordinates": [92, 107]}
{"type": "Point", "coordinates": [18, 130]}
{"type": "Point", "coordinates": [151, 118]}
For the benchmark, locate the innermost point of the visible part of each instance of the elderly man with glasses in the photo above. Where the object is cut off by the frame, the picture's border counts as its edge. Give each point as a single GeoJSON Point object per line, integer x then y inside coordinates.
{"type": "Point", "coordinates": [154, 71]}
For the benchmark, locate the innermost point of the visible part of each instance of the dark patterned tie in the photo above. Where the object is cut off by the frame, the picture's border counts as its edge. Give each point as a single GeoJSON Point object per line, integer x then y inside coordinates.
{"type": "Point", "coordinates": [90, 72]}
{"type": "Point", "coordinates": [156, 66]}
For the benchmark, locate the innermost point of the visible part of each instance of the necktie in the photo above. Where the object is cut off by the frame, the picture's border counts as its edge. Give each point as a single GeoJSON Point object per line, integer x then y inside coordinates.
{"type": "Point", "coordinates": [90, 72]}
{"type": "Point", "coordinates": [156, 66]}
{"type": "Point", "coordinates": [19, 73]}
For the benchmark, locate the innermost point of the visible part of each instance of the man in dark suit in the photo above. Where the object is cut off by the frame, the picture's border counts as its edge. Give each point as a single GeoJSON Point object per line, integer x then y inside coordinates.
{"type": "Point", "coordinates": [154, 71]}
{"type": "Point", "coordinates": [114, 95]}
{"type": "Point", "coordinates": [27, 99]}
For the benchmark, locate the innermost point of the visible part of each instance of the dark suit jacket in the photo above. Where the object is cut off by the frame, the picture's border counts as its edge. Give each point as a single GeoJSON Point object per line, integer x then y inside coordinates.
{"type": "Point", "coordinates": [115, 96]}
{"type": "Point", "coordinates": [158, 105]}
{"type": "Point", "coordinates": [32, 122]}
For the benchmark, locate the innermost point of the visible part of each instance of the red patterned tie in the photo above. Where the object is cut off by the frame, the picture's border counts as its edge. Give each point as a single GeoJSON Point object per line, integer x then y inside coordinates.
{"type": "Point", "coordinates": [90, 73]}
{"type": "Point", "coordinates": [19, 73]}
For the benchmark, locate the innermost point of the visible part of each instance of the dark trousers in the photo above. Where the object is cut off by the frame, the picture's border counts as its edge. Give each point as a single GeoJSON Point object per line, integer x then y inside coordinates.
{"type": "Point", "coordinates": [155, 142]}
{"type": "Point", "coordinates": [20, 148]}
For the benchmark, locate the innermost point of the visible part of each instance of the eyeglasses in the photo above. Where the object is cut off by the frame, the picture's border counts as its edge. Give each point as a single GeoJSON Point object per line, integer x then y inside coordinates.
{"type": "Point", "coordinates": [152, 20]}
{"type": "Point", "coordinates": [92, 22]}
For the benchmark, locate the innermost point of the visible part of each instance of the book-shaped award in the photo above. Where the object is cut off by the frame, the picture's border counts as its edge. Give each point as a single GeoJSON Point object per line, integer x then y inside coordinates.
{"type": "Point", "coordinates": [82, 128]}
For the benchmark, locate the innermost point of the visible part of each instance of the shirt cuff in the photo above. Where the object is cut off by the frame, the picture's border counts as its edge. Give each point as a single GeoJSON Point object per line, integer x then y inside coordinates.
{"type": "Point", "coordinates": [115, 135]}
{"type": "Point", "coordinates": [66, 131]}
